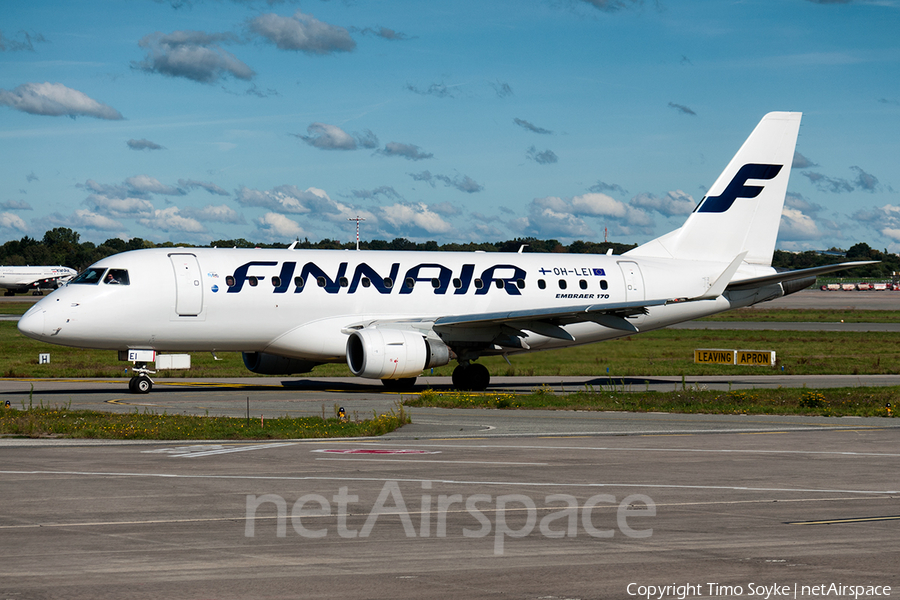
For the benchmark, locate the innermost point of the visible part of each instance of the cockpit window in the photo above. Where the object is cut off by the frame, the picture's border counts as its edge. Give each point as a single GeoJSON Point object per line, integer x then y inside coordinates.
{"type": "Point", "coordinates": [117, 277]}
{"type": "Point", "coordinates": [91, 276]}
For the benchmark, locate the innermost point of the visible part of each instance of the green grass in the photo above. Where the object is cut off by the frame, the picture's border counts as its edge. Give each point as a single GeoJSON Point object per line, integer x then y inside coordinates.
{"type": "Point", "coordinates": [835, 402]}
{"type": "Point", "coordinates": [808, 315]}
{"type": "Point", "coordinates": [15, 308]}
{"type": "Point", "coordinates": [34, 422]}
{"type": "Point", "coordinates": [656, 353]}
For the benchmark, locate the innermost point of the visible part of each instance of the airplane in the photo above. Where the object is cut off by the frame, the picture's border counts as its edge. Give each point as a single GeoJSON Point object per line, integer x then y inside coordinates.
{"type": "Point", "coordinates": [393, 314]}
{"type": "Point", "coordinates": [34, 279]}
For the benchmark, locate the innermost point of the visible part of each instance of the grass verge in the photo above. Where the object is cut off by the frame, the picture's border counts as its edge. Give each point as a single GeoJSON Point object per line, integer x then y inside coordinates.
{"type": "Point", "coordinates": [654, 353]}
{"type": "Point", "coordinates": [56, 422]}
{"type": "Point", "coordinates": [832, 402]}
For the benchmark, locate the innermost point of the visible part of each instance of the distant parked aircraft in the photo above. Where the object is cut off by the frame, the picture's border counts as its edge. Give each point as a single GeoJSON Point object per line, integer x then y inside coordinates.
{"type": "Point", "coordinates": [34, 279]}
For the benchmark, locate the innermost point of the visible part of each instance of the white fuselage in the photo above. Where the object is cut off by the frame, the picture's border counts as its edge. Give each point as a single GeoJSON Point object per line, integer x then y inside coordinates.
{"type": "Point", "coordinates": [304, 303]}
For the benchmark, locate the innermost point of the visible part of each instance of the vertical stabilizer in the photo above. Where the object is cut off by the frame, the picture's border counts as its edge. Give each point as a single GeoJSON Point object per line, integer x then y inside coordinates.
{"type": "Point", "coordinates": [742, 210]}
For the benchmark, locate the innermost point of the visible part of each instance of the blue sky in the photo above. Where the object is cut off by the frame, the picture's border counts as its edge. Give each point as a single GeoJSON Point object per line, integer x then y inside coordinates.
{"type": "Point", "coordinates": [197, 120]}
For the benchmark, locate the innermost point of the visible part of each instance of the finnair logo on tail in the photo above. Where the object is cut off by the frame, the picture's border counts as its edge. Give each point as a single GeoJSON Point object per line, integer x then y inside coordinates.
{"type": "Point", "coordinates": [738, 188]}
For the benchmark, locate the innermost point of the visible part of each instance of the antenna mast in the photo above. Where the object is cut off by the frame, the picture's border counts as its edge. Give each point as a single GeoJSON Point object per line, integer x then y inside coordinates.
{"type": "Point", "coordinates": [357, 219]}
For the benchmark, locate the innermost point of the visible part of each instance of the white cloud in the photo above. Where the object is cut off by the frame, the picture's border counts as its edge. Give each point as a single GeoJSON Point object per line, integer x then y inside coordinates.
{"type": "Point", "coordinates": [144, 184]}
{"type": "Point", "coordinates": [55, 99]}
{"type": "Point", "coordinates": [193, 55]}
{"type": "Point", "coordinates": [170, 219]}
{"type": "Point", "coordinates": [120, 207]}
{"type": "Point", "coordinates": [274, 226]}
{"type": "Point", "coordinates": [419, 216]}
{"type": "Point", "coordinates": [598, 205]}
{"type": "Point", "coordinates": [218, 214]}
{"type": "Point", "coordinates": [302, 32]}
{"type": "Point", "coordinates": [797, 226]}
{"type": "Point", "coordinates": [328, 137]}
{"type": "Point", "coordinates": [674, 203]}
{"type": "Point", "coordinates": [407, 151]}
{"type": "Point", "coordinates": [91, 220]}
{"type": "Point", "coordinates": [565, 217]}
{"type": "Point", "coordinates": [10, 221]}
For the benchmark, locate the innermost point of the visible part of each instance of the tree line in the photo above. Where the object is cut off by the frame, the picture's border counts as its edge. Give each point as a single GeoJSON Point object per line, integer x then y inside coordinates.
{"type": "Point", "coordinates": [61, 246]}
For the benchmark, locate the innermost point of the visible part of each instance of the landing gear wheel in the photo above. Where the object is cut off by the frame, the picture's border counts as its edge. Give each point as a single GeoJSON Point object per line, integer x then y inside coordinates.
{"type": "Point", "coordinates": [473, 377]}
{"type": "Point", "coordinates": [399, 385]}
{"type": "Point", "coordinates": [140, 384]}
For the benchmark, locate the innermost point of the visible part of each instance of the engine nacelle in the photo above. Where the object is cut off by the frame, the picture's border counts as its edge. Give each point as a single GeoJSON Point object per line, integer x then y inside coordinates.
{"type": "Point", "coordinates": [791, 287]}
{"type": "Point", "coordinates": [393, 353]}
{"type": "Point", "coordinates": [272, 364]}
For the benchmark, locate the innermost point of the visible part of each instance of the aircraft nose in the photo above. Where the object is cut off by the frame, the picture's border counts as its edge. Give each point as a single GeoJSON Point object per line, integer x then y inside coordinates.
{"type": "Point", "coordinates": [32, 323]}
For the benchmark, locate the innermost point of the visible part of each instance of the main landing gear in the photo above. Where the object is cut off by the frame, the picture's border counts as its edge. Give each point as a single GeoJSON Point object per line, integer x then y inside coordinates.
{"type": "Point", "coordinates": [471, 377]}
{"type": "Point", "coordinates": [467, 377]}
{"type": "Point", "coordinates": [140, 383]}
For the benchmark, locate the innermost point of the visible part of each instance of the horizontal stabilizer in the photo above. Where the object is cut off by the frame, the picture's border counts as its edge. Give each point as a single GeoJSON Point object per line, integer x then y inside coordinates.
{"type": "Point", "coordinates": [754, 282]}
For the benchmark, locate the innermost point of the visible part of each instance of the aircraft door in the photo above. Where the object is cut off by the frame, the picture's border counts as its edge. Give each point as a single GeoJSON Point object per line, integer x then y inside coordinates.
{"type": "Point", "coordinates": [188, 285]}
{"type": "Point", "coordinates": [634, 285]}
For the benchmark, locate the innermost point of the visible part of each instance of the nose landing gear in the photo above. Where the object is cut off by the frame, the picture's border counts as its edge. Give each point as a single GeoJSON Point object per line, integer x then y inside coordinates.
{"type": "Point", "coordinates": [141, 382]}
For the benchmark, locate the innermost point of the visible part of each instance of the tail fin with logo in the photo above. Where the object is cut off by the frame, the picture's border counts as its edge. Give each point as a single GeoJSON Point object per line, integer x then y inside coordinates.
{"type": "Point", "coordinates": [742, 210]}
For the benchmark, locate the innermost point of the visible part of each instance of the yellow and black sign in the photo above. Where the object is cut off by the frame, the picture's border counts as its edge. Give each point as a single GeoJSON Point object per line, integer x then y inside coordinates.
{"type": "Point", "coordinates": [762, 358]}
{"type": "Point", "coordinates": [714, 357]}
{"type": "Point", "coordinates": [735, 357]}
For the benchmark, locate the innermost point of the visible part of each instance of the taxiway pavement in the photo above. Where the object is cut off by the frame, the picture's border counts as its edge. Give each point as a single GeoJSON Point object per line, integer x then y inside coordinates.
{"type": "Point", "coordinates": [462, 505]}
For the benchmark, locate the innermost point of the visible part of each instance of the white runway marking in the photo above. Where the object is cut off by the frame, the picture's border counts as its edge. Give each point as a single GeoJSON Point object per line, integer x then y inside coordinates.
{"type": "Point", "coordinates": [452, 462]}
{"type": "Point", "coordinates": [212, 450]}
{"type": "Point", "coordinates": [456, 482]}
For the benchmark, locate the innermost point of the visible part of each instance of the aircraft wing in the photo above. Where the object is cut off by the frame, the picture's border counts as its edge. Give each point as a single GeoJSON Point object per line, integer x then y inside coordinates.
{"type": "Point", "coordinates": [754, 282]}
{"type": "Point", "coordinates": [546, 321]}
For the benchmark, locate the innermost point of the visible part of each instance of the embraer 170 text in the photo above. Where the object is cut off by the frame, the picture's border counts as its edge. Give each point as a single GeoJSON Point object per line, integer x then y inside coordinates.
{"type": "Point", "coordinates": [390, 315]}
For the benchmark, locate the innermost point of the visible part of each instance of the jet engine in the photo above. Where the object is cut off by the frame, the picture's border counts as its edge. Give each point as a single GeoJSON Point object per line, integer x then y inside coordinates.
{"type": "Point", "coordinates": [393, 353]}
{"type": "Point", "coordinates": [795, 285]}
{"type": "Point", "coordinates": [272, 364]}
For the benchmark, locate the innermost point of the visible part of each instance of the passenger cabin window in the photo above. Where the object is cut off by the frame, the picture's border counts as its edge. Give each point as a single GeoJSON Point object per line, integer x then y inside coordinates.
{"type": "Point", "coordinates": [409, 283]}
{"type": "Point", "coordinates": [252, 281]}
{"type": "Point", "coordinates": [388, 282]}
{"type": "Point", "coordinates": [366, 282]}
{"type": "Point", "coordinates": [229, 281]}
{"type": "Point", "coordinates": [603, 284]}
{"type": "Point", "coordinates": [117, 277]}
{"type": "Point", "coordinates": [90, 276]}
{"type": "Point", "coordinates": [520, 283]}
{"type": "Point", "coordinates": [562, 284]}
{"type": "Point", "coordinates": [582, 284]}
{"type": "Point", "coordinates": [542, 284]}
{"type": "Point", "coordinates": [276, 281]}
{"type": "Point", "coordinates": [344, 282]}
